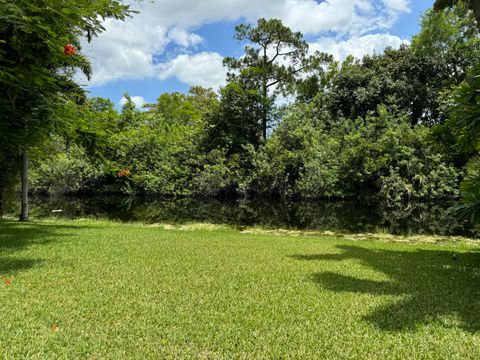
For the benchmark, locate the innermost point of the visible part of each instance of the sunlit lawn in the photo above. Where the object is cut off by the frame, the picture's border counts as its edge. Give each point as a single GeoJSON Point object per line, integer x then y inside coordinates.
{"type": "Point", "coordinates": [86, 289]}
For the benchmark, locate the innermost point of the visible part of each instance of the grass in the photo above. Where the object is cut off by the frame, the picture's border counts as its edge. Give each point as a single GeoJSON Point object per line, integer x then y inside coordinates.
{"type": "Point", "coordinates": [103, 290]}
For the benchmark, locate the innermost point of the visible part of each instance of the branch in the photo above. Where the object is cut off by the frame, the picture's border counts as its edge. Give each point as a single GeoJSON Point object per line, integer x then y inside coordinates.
{"type": "Point", "coordinates": [277, 53]}
{"type": "Point", "coordinates": [273, 83]}
{"type": "Point", "coordinates": [292, 73]}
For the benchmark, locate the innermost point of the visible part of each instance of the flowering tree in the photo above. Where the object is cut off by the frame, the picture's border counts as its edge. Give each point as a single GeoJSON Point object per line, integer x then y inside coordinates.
{"type": "Point", "coordinates": [40, 51]}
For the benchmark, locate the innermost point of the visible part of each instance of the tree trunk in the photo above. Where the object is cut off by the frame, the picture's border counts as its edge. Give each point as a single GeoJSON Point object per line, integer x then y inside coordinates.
{"type": "Point", "coordinates": [67, 144]}
{"type": "Point", "coordinates": [265, 114]}
{"type": "Point", "coordinates": [264, 94]}
{"type": "Point", "coordinates": [24, 209]}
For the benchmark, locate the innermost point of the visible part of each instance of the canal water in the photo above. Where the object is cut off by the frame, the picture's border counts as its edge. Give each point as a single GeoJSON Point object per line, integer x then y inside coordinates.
{"type": "Point", "coordinates": [343, 216]}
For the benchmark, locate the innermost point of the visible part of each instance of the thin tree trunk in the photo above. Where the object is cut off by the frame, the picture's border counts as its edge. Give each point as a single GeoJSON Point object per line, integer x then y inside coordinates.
{"type": "Point", "coordinates": [1, 204]}
{"type": "Point", "coordinates": [67, 144]}
{"type": "Point", "coordinates": [265, 115]}
{"type": "Point", "coordinates": [24, 209]}
{"type": "Point", "coordinates": [264, 94]}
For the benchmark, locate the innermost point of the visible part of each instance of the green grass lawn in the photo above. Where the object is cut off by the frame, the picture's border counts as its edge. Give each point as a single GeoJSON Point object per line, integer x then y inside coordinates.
{"type": "Point", "coordinates": [102, 290]}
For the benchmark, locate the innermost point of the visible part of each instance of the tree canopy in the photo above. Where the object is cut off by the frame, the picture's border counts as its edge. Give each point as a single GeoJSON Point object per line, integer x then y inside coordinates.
{"type": "Point", "coordinates": [274, 59]}
{"type": "Point", "coordinates": [40, 51]}
{"type": "Point", "coordinates": [474, 5]}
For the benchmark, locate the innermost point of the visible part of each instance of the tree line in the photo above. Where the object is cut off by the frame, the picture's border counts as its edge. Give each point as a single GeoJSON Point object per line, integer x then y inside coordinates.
{"type": "Point", "coordinates": [397, 126]}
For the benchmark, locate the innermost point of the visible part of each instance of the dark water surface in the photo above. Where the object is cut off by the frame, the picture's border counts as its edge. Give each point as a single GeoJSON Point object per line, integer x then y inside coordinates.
{"type": "Point", "coordinates": [344, 216]}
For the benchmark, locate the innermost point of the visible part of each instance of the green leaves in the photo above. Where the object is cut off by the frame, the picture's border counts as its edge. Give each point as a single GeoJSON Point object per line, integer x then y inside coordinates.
{"type": "Point", "coordinates": [474, 5]}
{"type": "Point", "coordinates": [470, 187]}
{"type": "Point", "coordinates": [381, 155]}
{"type": "Point", "coordinates": [274, 60]}
{"type": "Point", "coordinates": [32, 62]}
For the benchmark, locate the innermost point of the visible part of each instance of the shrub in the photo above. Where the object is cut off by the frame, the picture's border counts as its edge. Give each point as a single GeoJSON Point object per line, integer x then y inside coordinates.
{"type": "Point", "coordinates": [64, 172]}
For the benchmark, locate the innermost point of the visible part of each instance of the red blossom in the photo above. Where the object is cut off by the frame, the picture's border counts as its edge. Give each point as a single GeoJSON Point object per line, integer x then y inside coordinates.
{"type": "Point", "coordinates": [123, 173]}
{"type": "Point", "coordinates": [69, 50]}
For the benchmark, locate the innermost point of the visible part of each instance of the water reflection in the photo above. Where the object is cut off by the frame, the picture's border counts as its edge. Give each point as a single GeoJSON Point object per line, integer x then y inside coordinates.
{"type": "Point", "coordinates": [345, 216]}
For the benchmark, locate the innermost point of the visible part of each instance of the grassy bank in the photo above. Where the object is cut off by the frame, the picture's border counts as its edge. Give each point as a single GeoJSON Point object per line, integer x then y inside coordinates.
{"type": "Point", "coordinates": [86, 289]}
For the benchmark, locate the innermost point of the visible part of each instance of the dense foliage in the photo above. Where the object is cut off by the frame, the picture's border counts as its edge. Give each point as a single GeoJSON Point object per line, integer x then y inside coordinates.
{"type": "Point", "coordinates": [389, 125]}
{"type": "Point", "coordinates": [381, 154]}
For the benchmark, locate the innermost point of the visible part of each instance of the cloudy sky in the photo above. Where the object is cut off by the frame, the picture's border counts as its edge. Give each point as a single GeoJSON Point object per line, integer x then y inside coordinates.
{"type": "Point", "coordinates": [171, 45]}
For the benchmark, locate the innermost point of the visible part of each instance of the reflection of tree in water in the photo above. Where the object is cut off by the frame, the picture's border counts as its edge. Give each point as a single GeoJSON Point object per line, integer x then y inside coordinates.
{"type": "Point", "coordinates": [344, 216]}
{"type": "Point", "coordinates": [349, 216]}
{"type": "Point", "coordinates": [421, 218]}
{"type": "Point", "coordinates": [431, 285]}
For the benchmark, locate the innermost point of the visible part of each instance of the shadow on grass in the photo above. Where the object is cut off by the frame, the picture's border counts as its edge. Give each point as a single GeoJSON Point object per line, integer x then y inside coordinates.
{"type": "Point", "coordinates": [11, 266]}
{"type": "Point", "coordinates": [16, 236]}
{"type": "Point", "coordinates": [434, 285]}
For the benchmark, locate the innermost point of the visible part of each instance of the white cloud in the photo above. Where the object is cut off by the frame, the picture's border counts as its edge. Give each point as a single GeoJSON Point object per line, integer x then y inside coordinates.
{"type": "Point", "coordinates": [124, 50]}
{"type": "Point", "coordinates": [308, 16]}
{"type": "Point", "coordinates": [139, 101]}
{"type": "Point", "coordinates": [202, 69]}
{"type": "Point", "coordinates": [127, 49]}
{"type": "Point", "coordinates": [357, 46]}
{"type": "Point", "coordinates": [397, 5]}
{"type": "Point", "coordinates": [184, 38]}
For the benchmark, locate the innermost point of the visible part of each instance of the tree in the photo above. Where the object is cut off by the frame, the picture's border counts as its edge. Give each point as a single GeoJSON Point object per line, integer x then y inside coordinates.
{"type": "Point", "coordinates": [451, 37]}
{"type": "Point", "coordinates": [469, 208]}
{"type": "Point", "coordinates": [236, 121]}
{"type": "Point", "coordinates": [465, 111]}
{"type": "Point", "coordinates": [274, 58]}
{"type": "Point", "coordinates": [204, 100]}
{"type": "Point", "coordinates": [473, 5]}
{"type": "Point", "coordinates": [465, 114]}
{"type": "Point", "coordinates": [401, 79]}
{"type": "Point", "coordinates": [9, 169]}
{"type": "Point", "coordinates": [39, 54]}
{"type": "Point", "coordinates": [411, 78]}
{"type": "Point", "coordinates": [319, 80]}
{"type": "Point", "coordinates": [464, 123]}
{"type": "Point", "coordinates": [129, 115]}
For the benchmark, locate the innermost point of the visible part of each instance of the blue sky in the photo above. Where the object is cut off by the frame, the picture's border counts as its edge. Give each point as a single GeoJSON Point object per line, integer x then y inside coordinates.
{"type": "Point", "coordinates": [174, 44]}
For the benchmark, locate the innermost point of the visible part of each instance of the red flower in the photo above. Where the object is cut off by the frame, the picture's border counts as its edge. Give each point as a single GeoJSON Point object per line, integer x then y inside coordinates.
{"type": "Point", "coordinates": [124, 173]}
{"type": "Point", "coordinates": [69, 50]}
{"type": "Point", "coordinates": [7, 282]}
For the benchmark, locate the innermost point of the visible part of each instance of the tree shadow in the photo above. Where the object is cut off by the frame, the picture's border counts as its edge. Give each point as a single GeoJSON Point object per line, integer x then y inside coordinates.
{"type": "Point", "coordinates": [432, 285]}
{"type": "Point", "coordinates": [15, 236]}
{"type": "Point", "coordinates": [11, 266]}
